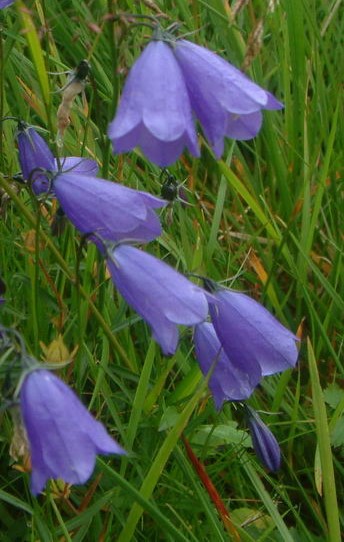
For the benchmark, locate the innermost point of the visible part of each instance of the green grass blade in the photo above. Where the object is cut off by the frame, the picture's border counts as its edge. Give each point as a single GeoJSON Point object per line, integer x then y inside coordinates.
{"type": "Point", "coordinates": [325, 452]}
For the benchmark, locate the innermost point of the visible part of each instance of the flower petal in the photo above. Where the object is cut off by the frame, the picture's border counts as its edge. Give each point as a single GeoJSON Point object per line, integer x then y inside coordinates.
{"type": "Point", "coordinates": [244, 126]}
{"type": "Point", "coordinates": [240, 127]}
{"type": "Point", "coordinates": [227, 382]}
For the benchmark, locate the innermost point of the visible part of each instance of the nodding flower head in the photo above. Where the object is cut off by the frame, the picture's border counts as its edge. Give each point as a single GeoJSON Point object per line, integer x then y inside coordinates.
{"type": "Point", "coordinates": [108, 209]}
{"type": "Point", "coordinates": [252, 338]}
{"type": "Point", "coordinates": [225, 101]}
{"type": "Point", "coordinates": [162, 296]}
{"type": "Point", "coordinates": [155, 112]}
{"type": "Point", "coordinates": [63, 436]}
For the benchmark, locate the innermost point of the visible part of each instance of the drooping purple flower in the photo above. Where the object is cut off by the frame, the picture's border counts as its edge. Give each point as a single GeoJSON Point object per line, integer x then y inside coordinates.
{"type": "Point", "coordinates": [63, 436]}
{"type": "Point", "coordinates": [5, 3]}
{"type": "Point", "coordinates": [227, 381]}
{"type": "Point", "coordinates": [264, 442]}
{"type": "Point", "coordinates": [110, 210]}
{"type": "Point", "coordinates": [251, 336]}
{"type": "Point", "coordinates": [162, 296]}
{"type": "Point", "coordinates": [154, 112]}
{"type": "Point", "coordinates": [226, 102]}
{"type": "Point", "coordinates": [35, 155]}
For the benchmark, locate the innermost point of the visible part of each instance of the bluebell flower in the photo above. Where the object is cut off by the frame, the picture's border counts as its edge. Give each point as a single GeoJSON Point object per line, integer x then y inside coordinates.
{"type": "Point", "coordinates": [154, 112]}
{"type": "Point", "coordinates": [63, 436]}
{"type": "Point", "coordinates": [225, 101]}
{"type": "Point", "coordinates": [162, 296]}
{"type": "Point", "coordinates": [264, 442]}
{"type": "Point", "coordinates": [108, 209]}
{"type": "Point", "coordinates": [227, 382]}
{"type": "Point", "coordinates": [252, 338]}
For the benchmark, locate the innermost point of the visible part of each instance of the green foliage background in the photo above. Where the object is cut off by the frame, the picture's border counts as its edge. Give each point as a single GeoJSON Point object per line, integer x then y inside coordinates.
{"type": "Point", "coordinates": [269, 214]}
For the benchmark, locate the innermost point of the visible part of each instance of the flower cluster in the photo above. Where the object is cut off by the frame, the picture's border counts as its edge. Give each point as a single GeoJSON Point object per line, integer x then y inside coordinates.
{"type": "Point", "coordinates": [237, 341]}
{"type": "Point", "coordinates": [175, 80]}
{"type": "Point", "coordinates": [242, 343]}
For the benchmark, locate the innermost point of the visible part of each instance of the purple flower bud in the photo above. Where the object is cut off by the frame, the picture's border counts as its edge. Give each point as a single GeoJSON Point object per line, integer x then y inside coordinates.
{"type": "Point", "coordinates": [251, 336]}
{"type": "Point", "coordinates": [154, 112]}
{"type": "Point", "coordinates": [227, 382]}
{"type": "Point", "coordinates": [108, 209]}
{"type": "Point", "coordinates": [225, 101]}
{"type": "Point", "coordinates": [158, 293]}
{"type": "Point", "coordinates": [34, 154]}
{"type": "Point", "coordinates": [264, 442]}
{"type": "Point", "coordinates": [63, 436]}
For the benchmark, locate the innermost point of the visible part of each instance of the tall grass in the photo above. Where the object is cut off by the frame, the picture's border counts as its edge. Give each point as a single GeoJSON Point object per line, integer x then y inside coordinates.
{"type": "Point", "coordinates": [269, 214]}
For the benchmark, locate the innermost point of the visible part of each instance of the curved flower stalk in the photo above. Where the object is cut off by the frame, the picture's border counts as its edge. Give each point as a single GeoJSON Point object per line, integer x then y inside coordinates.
{"type": "Point", "coordinates": [264, 442]}
{"type": "Point", "coordinates": [252, 338]}
{"type": "Point", "coordinates": [227, 382]}
{"type": "Point", "coordinates": [107, 209]}
{"type": "Point", "coordinates": [63, 436]}
{"type": "Point", "coordinates": [154, 112]}
{"type": "Point", "coordinates": [225, 101]}
{"type": "Point", "coordinates": [35, 155]}
{"type": "Point", "coordinates": [170, 82]}
{"type": "Point", "coordinates": [162, 296]}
